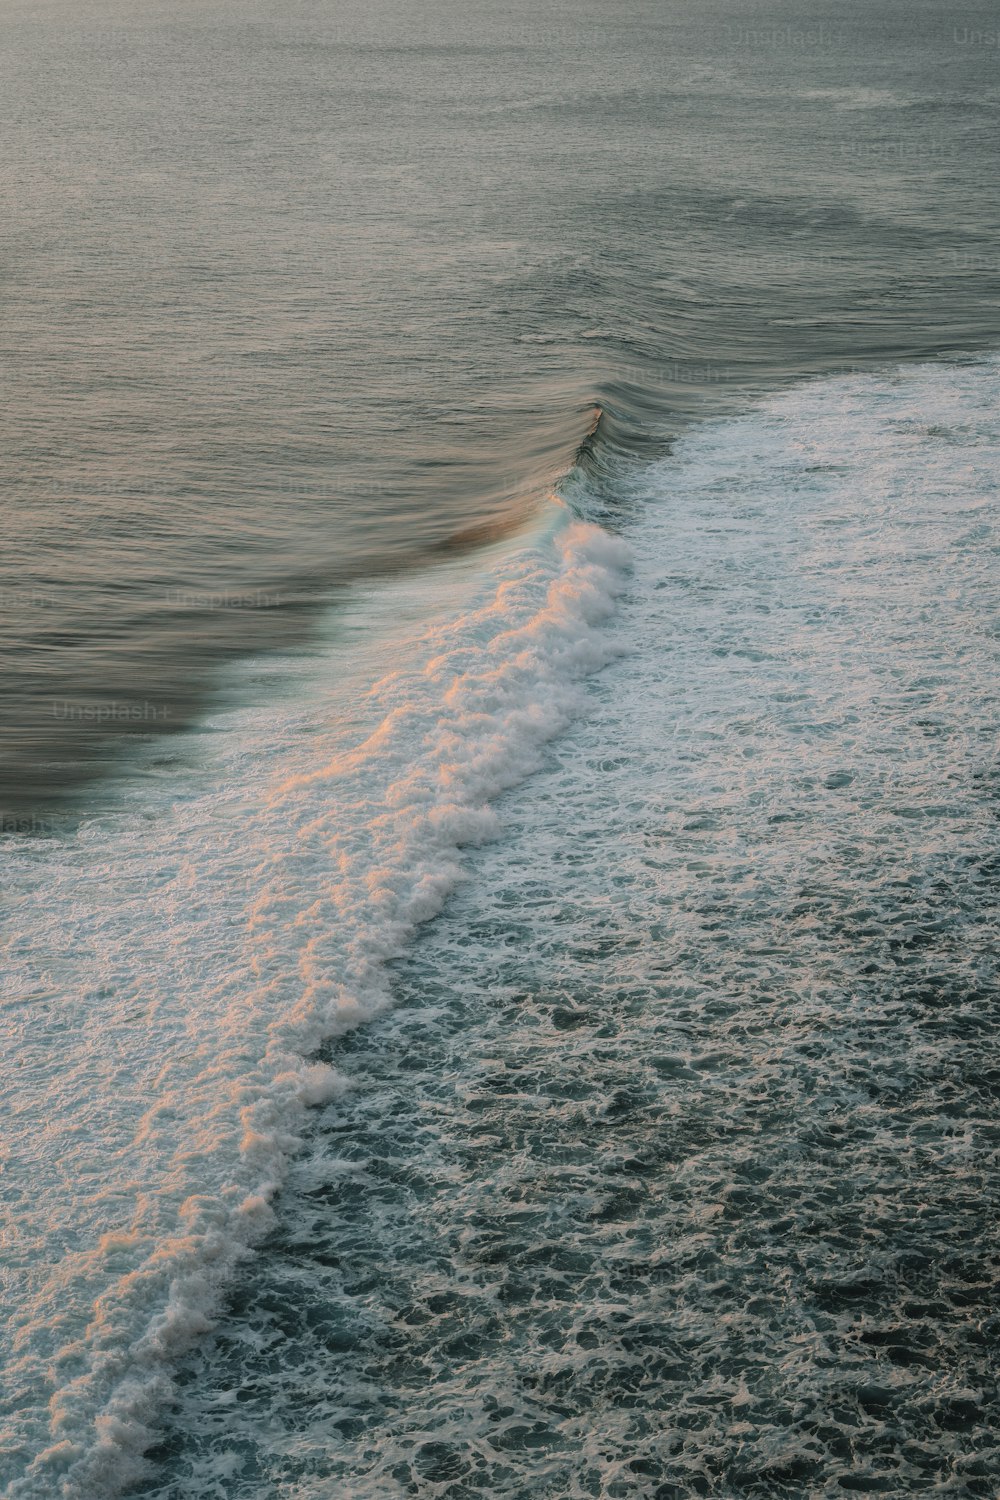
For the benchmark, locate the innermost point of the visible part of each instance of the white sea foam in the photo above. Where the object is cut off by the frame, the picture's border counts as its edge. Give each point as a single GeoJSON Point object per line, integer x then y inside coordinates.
{"type": "Point", "coordinates": [173, 970]}
{"type": "Point", "coordinates": [774, 791]}
{"type": "Point", "coordinates": [667, 1174]}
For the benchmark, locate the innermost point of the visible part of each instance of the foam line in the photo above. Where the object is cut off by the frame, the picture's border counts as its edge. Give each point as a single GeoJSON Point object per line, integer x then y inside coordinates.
{"type": "Point", "coordinates": [342, 863]}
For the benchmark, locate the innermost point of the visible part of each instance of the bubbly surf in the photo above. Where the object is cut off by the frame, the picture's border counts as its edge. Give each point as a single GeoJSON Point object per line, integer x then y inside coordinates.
{"type": "Point", "coordinates": [201, 950]}
{"type": "Point", "coordinates": [661, 1165]}
{"type": "Point", "coordinates": [335, 291]}
{"type": "Point", "coordinates": [668, 1173]}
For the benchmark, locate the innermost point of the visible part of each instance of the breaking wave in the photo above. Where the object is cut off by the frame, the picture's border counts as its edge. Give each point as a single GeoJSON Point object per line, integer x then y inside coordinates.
{"type": "Point", "coordinates": [200, 951]}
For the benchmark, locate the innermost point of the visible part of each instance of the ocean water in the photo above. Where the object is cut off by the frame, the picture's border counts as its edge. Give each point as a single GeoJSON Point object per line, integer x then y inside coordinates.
{"type": "Point", "coordinates": [299, 294]}
{"type": "Point", "coordinates": [498, 784]}
{"type": "Point", "coordinates": [660, 1162]}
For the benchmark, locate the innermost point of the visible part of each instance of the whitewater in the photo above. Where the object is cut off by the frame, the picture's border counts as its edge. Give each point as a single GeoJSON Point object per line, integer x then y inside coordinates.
{"type": "Point", "coordinates": [200, 950]}
{"type": "Point", "coordinates": [660, 1166]}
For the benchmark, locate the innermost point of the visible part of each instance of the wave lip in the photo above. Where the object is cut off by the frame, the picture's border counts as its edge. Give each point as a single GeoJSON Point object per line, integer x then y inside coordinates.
{"type": "Point", "coordinates": [345, 862]}
{"type": "Point", "coordinates": [697, 1071]}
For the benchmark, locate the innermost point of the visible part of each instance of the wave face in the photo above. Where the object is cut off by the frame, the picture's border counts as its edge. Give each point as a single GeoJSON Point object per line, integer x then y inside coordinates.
{"type": "Point", "coordinates": [201, 949]}
{"type": "Point", "coordinates": [668, 1173]}
{"type": "Point", "coordinates": [262, 340]}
